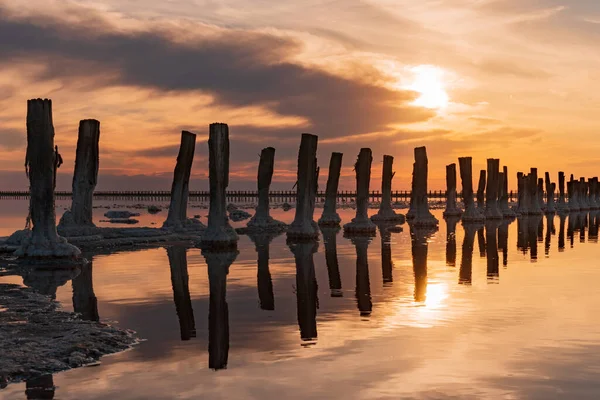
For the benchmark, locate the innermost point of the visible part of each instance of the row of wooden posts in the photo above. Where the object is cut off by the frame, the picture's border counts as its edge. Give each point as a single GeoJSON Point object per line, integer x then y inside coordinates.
{"type": "Point", "coordinates": [492, 194]}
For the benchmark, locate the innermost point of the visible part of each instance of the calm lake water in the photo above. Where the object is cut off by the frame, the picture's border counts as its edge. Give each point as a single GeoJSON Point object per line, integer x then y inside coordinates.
{"type": "Point", "coordinates": [505, 312]}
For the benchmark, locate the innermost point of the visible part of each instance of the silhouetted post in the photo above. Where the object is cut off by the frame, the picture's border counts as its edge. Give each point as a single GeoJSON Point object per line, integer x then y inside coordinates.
{"type": "Point", "coordinates": [331, 259]}
{"type": "Point", "coordinates": [550, 188]}
{"type": "Point", "coordinates": [386, 212]}
{"type": "Point", "coordinates": [423, 217]}
{"type": "Point", "coordinates": [562, 205]}
{"type": "Point", "coordinates": [451, 240]}
{"type": "Point", "coordinates": [412, 210]}
{"type": "Point", "coordinates": [218, 233]}
{"type": "Point", "coordinates": [573, 190]}
{"type": "Point", "coordinates": [85, 175]}
{"type": "Point", "coordinates": [330, 215]}
{"type": "Point", "coordinates": [593, 185]}
{"type": "Point", "coordinates": [506, 211]}
{"type": "Point", "coordinates": [491, 249]}
{"type": "Point", "coordinates": [363, 285]}
{"type": "Point", "coordinates": [540, 194]}
{"type": "Point", "coordinates": [361, 222]}
{"type": "Point", "coordinates": [534, 204]}
{"type": "Point", "coordinates": [181, 291]}
{"type": "Point", "coordinates": [491, 192]}
{"type": "Point", "coordinates": [40, 164]}
{"type": "Point", "coordinates": [84, 299]}
{"type": "Point", "coordinates": [218, 263]}
{"type": "Point", "coordinates": [306, 288]}
{"type": "Point", "coordinates": [522, 194]}
{"type": "Point", "coordinates": [466, 262]}
{"type": "Point", "coordinates": [262, 219]}
{"type": "Point", "coordinates": [451, 207]}
{"type": "Point", "coordinates": [177, 217]}
{"type": "Point", "coordinates": [471, 214]}
{"type": "Point", "coordinates": [303, 225]}
{"type": "Point", "coordinates": [481, 191]}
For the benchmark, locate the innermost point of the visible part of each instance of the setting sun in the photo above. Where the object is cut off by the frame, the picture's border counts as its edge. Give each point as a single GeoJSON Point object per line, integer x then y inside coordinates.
{"type": "Point", "coordinates": [428, 81]}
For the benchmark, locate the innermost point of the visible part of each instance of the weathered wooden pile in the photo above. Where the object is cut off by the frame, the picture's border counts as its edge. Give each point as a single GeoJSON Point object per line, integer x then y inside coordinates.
{"type": "Point", "coordinates": [77, 226]}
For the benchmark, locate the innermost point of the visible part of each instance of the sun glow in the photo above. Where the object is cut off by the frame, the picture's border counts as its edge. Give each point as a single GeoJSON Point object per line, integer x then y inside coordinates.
{"type": "Point", "coordinates": [429, 82]}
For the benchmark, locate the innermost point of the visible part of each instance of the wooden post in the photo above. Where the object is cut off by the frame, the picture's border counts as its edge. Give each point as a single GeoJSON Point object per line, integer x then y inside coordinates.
{"type": "Point", "coordinates": [481, 190]}
{"type": "Point", "coordinates": [451, 207]}
{"type": "Point", "coordinates": [423, 216]}
{"type": "Point", "coordinates": [262, 220]}
{"type": "Point", "coordinates": [330, 215]}
{"type": "Point", "coordinates": [303, 225]}
{"type": "Point", "coordinates": [386, 212]}
{"type": "Point", "coordinates": [472, 213]}
{"type": "Point", "coordinates": [491, 192]}
{"type": "Point", "coordinates": [562, 206]}
{"type": "Point", "coordinates": [41, 163]}
{"type": "Point", "coordinates": [361, 222]}
{"type": "Point", "coordinates": [550, 188]}
{"type": "Point", "coordinates": [218, 233]}
{"type": "Point", "coordinates": [177, 217]}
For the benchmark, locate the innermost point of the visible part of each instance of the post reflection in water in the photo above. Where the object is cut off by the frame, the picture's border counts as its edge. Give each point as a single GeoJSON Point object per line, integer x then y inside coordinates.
{"type": "Point", "coordinates": [387, 265]}
{"type": "Point", "coordinates": [593, 230]}
{"type": "Point", "coordinates": [550, 231]}
{"type": "Point", "coordinates": [466, 262]}
{"type": "Point", "coordinates": [331, 259]}
{"type": "Point", "coordinates": [262, 242]}
{"type": "Point", "coordinates": [561, 233]}
{"type": "Point", "coordinates": [582, 224]}
{"type": "Point", "coordinates": [491, 247]}
{"type": "Point", "coordinates": [481, 242]}
{"type": "Point", "coordinates": [571, 228]}
{"type": "Point", "coordinates": [218, 263]}
{"type": "Point", "coordinates": [419, 240]}
{"type": "Point", "coordinates": [307, 301]}
{"type": "Point", "coordinates": [181, 292]}
{"type": "Point", "coordinates": [363, 285]}
{"type": "Point", "coordinates": [40, 388]}
{"type": "Point", "coordinates": [84, 299]}
{"type": "Point", "coordinates": [503, 240]}
{"type": "Point", "coordinates": [451, 240]}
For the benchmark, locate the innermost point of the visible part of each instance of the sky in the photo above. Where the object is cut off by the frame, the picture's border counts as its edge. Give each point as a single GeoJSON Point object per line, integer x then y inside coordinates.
{"type": "Point", "coordinates": [516, 80]}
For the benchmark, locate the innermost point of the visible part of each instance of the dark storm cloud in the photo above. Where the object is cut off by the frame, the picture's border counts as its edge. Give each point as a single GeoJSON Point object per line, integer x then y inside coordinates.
{"type": "Point", "coordinates": [239, 68]}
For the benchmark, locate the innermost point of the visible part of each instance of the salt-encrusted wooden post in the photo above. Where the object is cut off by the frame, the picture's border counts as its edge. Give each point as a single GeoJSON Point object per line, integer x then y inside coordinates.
{"type": "Point", "coordinates": [550, 188]}
{"type": "Point", "coordinates": [218, 263]}
{"type": "Point", "coordinates": [262, 220]}
{"type": "Point", "coordinates": [85, 176]}
{"type": "Point", "coordinates": [507, 212]}
{"type": "Point", "coordinates": [540, 193]}
{"type": "Point", "coordinates": [573, 206]}
{"type": "Point", "coordinates": [471, 214]}
{"type": "Point", "coordinates": [177, 217]}
{"type": "Point", "coordinates": [330, 215]}
{"type": "Point", "coordinates": [594, 205]}
{"type": "Point", "coordinates": [181, 291]}
{"type": "Point", "coordinates": [85, 301]}
{"type": "Point", "coordinates": [534, 204]}
{"type": "Point", "coordinates": [583, 194]}
{"type": "Point", "coordinates": [491, 192]}
{"type": "Point", "coordinates": [412, 210]}
{"type": "Point", "coordinates": [331, 259]}
{"type": "Point", "coordinates": [218, 233]}
{"type": "Point", "coordinates": [386, 212]}
{"type": "Point", "coordinates": [481, 191]}
{"type": "Point", "coordinates": [303, 226]}
{"type": "Point", "coordinates": [562, 205]}
{"type": "Point", "coordinates": [523, 194]}
{"type": "Point", "coordinates": [452, 210]}
{"type": "Point", "coordinates": [361, 222]}
{"type": "Point", "coordinates": [363, 284]}
{"type": "Point", "coordinates": [423, 216]}
{"type": "Point", "coordinates": [40, 162]}
{"type": "Point", "coordinates": [306, 288]}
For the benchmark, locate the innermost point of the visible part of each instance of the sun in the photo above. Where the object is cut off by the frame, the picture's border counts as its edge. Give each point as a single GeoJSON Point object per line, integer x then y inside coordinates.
{"type": "Point", "coordinates": [429, 82]}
